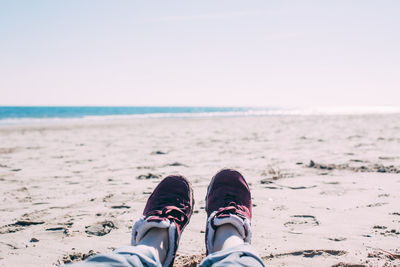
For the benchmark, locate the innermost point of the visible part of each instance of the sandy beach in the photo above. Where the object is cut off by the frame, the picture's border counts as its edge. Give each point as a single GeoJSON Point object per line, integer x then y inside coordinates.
{"type": "Point", "coordinates": [326, 188]}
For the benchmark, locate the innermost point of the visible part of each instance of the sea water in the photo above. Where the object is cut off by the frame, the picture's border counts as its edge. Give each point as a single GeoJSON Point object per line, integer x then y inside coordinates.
{"type": "Point", "coordinates": [29, 114]}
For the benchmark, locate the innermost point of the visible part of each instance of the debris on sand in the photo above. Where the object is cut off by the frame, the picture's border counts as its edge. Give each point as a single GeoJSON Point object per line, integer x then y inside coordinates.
{"type": "Point", "coordinates": [148, 176]}
{"type": "Point", "coordinates": [188, 261]}
{"type": "Point", "coordinates": [273, 174]}
{"type": "Point", "coordinates": [121, 207]}
{"type": "Point", "coordinates": [100, 229]}
{"type": "Point", "coordinates": [158, 152]}
{"type": "Point", "coordinates": [28, 223]}
{"type": "Point", "coordinates": [309, 253]}
{"type": "Point", "coordinates": [370, 168]}
{"type": "Point", "coordinates": [75, 257]}
{"type": "Point", "coordinates": [176, 164]}
{"type": "Point", "coordinates": [342, 264]}
{"type": "Point", "coordinates": [18, 226]}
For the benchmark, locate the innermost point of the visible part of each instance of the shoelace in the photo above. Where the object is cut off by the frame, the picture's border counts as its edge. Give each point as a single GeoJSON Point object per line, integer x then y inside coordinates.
{"type": "Point", "coordinates": [231, 206]}
{"type": "Point", "coordinates": [172, 213]}
{"type": "Point", "coordinates": [231, 209]}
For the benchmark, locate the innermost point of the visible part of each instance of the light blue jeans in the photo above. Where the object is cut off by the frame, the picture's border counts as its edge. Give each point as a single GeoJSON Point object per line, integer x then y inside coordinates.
{"type": "Point", "coordinates": [243, 255]}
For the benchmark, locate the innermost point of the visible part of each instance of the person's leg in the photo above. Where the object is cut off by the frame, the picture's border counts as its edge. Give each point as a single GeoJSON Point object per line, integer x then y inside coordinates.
{"type": "Point", "coordinates": [242, 255]}
{"type": "Point", "coordinates": [156, 240]}
{"type": "Point", "coordinates": [170, 208]}
{"type": "Point", "coordinates": [155, 236]}
{"type": "Point", "coordinates": [150, 251]}
{"type": "Point", "coordinates": [228, 232]}
{"type": "Point", "coordinates": [226, 236]}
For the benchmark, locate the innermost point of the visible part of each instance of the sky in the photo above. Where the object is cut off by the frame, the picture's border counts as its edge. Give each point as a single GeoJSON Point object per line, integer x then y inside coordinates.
{"type": "Point", "coordinates": [200, 53]}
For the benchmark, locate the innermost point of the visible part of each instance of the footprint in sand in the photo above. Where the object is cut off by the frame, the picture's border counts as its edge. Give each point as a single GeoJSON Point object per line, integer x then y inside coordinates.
{"type": "Point", "coordinates": [301, 222]}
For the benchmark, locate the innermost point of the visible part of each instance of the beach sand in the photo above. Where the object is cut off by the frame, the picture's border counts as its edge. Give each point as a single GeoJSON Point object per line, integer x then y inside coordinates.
{"type": "Point", "coordinates": [326, 189]}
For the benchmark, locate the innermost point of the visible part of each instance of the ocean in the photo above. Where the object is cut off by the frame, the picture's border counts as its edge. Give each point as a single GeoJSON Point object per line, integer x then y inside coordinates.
{"type": "Point", "coordinates": [26, 114]}
{"type": "Point", "coordinates": [31, 114]}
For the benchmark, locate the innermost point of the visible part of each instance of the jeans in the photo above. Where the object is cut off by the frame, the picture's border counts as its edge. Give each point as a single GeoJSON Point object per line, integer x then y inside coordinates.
{"type": "Point", "coordinates": [242, 255]}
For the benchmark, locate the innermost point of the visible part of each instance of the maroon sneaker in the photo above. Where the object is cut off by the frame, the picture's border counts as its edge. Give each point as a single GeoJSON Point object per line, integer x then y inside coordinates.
{"type": "Point", "coordinates": [170, 206]}
{"type": "Point", "coordinates": [228, 201]}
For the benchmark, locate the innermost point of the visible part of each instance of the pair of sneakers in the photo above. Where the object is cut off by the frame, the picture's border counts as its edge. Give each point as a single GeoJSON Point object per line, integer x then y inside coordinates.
{"type": "Point", "coordinates": [170, 206]}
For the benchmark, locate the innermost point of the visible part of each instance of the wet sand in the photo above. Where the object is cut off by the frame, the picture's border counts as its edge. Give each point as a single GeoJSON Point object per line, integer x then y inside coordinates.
{"type": "Point", "coordinates": [326, 189]}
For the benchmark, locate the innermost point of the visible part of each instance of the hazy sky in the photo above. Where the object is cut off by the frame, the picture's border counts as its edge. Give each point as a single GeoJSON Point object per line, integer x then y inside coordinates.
{"type": "Point", "coordinates": [218, 52]}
